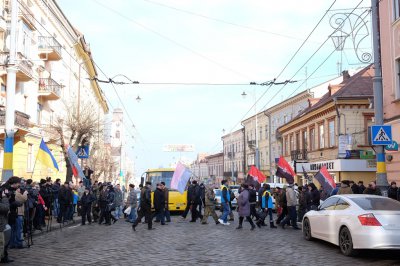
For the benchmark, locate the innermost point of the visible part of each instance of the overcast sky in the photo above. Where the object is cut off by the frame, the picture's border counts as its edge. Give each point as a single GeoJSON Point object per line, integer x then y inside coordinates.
{"type": "Point", "coordinates": [224, 42]}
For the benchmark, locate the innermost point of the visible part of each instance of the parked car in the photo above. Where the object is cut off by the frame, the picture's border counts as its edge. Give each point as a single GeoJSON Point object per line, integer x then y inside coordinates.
{"type": "Point", "coordinates": [355, 221]}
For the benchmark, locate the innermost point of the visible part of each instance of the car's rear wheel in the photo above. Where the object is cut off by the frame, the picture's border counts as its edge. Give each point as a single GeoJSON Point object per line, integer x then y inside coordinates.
{"type": "Point", "coordinates": [307, 230]}
{"type": "Point", "coordinates": [346, 242]}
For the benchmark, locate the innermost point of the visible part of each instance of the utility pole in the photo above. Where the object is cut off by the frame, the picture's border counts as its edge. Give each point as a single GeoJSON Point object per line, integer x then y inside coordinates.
{"type": "Point", "coordinates": [10, 96]}
{"type": "Point", "coordinates": [381, 176]}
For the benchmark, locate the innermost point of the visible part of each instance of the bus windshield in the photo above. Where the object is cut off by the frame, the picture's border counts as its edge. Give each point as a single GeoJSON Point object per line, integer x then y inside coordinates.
{"type": "Point", "coordinates": [158, 177]}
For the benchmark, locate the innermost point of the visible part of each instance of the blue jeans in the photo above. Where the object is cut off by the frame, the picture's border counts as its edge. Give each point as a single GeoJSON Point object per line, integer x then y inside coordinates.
{"type": "Point", "coordinates": [16, 233]}
{"type": "Point", "coordinates": [118, 212]}
{"type": "Point", "coordinates": [167, 216]}
{"type": "Point", "coordinates": [132, 215]}
{"type": "Point", "coordinates": [225, 212]}
{"type": "Point", "coordinates": [56, 208]}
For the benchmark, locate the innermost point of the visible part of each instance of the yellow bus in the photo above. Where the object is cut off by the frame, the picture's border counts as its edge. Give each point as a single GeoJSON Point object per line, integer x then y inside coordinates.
{"type": "Point", "coordinates": [177, 201]}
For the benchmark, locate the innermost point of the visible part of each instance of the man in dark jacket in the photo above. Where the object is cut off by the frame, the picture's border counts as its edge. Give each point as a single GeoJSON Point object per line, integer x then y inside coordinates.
{"type": "Point", "coordinates": [372, 189]}
{"type": "Point", "coordinates": [86, 203]}
{"type": "Point", "coordinates": [188, 199]}
{"type": "Point", "coordinates": [167, 213]}
{"type": "Point", "coordinates": [253, 201]}
{"type": "Point", "coordinates": [4, 209]}
{"type": "Point", "coordinates": [65, 199]}
{"type": "Point", "coordinates": [55, 190]}
{"type": "Point", "coordinates": [110, 205]}
{"type": "Point", "coordinates": [392, 192]}
{"type": "Point", "coordinates": [159, 204]}
{"type": "Point", "coordinates": [195, 201]}
{"type": "Point", "coordinates": [145, 207]}
{"type": "Point", "coordinates": [361, 187]}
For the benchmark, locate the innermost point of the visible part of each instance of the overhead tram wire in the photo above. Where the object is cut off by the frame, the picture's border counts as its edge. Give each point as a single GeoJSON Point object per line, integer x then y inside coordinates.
{"type": "Point", "coordinates": [300, 67]}
{"type": "Point", "coordinates": [171, 40]}
{"type": "Point", "coordinates": [319, 48]}
{"type": "Point", "coordinates": [326, 59]}
{"type": "Point", "coordinates": [222, 21]}
{"type": "Point", "coordinates": [66, 63]}
{"type": "Point", "coordinates": [290, 60]}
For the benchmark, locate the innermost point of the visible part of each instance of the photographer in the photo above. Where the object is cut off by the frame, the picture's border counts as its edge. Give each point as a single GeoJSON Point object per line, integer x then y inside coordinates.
{"type": "Point", "coordinates": [17, 199]}
{"type": "Point", "coordinates": [4, 209]}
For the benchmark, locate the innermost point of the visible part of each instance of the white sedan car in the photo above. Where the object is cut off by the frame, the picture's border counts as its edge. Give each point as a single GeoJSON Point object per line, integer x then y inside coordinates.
{"type": "Point", "coordinates": [355, 222]}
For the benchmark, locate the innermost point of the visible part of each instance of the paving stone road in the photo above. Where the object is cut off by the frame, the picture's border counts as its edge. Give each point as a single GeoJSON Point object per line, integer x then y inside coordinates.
{"type": "Point", "coordinates": [184, 243]}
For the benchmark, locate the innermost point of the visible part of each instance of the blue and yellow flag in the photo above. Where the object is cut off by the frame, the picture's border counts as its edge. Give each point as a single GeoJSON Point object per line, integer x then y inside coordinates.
{"type": "Point", "coordinates": [45, 156]}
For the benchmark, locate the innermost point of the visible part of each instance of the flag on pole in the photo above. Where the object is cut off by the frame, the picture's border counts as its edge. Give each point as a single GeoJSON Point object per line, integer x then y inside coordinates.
{"type": "Point", "coordinates": [285, 170]}
{"type": "Point", "coordinates": [46, 157]}
{"type": "Point", "coordinates": [180, 178]}
{"type": "Point", "coordinates": [326, 180]}
{"type": "Point", "coordinates": [76, 168]}
{"type": "Point", "coordinates": [256, 174]}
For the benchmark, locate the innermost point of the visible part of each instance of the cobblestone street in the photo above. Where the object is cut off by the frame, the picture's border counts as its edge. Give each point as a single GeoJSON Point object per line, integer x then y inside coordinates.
{"type": "Point", "coordinates": [184, 243]}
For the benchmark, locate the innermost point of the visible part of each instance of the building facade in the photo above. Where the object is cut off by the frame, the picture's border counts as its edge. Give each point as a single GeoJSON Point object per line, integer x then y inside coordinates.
{"type": "Point", "coordinates": [54, 67]}
{"type": "Point", "coordinates": [199, 167]}
{"type": "Point", "coordinates": [333, 131]}
{"type": "Point", "coordinates": [390, 56]}
{"type": "Point", "coordinates": [215, 164]}
{"type": "Point", "coordinates": [233, 151]}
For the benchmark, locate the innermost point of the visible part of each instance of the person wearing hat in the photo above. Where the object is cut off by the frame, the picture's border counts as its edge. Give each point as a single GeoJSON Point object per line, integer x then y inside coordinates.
{"type": "Point", "coordinates": [145, 207]}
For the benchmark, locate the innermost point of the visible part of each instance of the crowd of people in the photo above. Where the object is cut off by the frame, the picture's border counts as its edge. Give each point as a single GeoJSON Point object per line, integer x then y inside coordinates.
{"type": "Point", "coordinates": [26, 205]}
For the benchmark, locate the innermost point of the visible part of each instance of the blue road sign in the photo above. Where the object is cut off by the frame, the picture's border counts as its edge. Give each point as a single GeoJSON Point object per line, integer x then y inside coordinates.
{"type": "Point", "coordinates": [83, 152]}
{"type": "Point", "coordinates": [381, 135]}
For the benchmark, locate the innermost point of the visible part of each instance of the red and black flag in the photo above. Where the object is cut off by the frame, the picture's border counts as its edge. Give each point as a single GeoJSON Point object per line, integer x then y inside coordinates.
{"type": "Point", "coordinates": [285, 170]}
{"type": "Point", "coordinates": [326, 180]}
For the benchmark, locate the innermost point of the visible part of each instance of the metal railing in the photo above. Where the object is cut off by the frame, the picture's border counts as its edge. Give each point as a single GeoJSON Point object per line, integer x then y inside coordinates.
{"type": "Point", "coordinates": [47, 85]}
{"type": "Point", "coordinates": [21, 119]}
{"type": "Point", "coordinates": [48, 42]}
{"type": "Point", "coordinates": [299, 154]}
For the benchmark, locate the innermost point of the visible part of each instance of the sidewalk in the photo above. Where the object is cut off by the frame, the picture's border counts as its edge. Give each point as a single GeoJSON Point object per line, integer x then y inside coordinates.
{"type": "Point", "coordinates": [55, 226]}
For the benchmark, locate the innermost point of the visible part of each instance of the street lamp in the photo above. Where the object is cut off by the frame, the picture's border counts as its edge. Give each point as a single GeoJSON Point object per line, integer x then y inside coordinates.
{"type": "Point", "coordinates": [257, 155]}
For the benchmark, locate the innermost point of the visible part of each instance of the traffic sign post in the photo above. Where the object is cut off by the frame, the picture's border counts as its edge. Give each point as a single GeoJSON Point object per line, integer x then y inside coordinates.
{"type": "Point", "coordinates": [381, 135]}
{"type": "Point", "coordinates": [83, 152]}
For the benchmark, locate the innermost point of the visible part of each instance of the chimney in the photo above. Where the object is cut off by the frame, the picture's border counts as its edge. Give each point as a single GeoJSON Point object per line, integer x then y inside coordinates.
{"type": "Point", "coordinates": [345, 75]}
{"type": "Point", "coordinates": [312, 101]}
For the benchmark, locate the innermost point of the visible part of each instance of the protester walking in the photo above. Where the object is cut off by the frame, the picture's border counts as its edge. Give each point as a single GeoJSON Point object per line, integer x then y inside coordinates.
{"type": "Point", "coordinates": [118, 201]}
{"type": "Point", "coordinates": [132, 203]}
{"type": "Point", "coordinates": [315, 196]}
{"type": "Point", "coordinates": [244, 207]}
{"type": "Point", "coordinates": [291, 204]}
{"type": "Point", "coordinates": [159, 204]}
{"type": "Point", "coordinates": [209, 205]}
{"type": "Point", "coordinates": [266, 207]}
{"type": "Point", "coordinates": [86, 206]}
{"type": "Point", "coordinates": [167, 214]}
{"type": "Point", "coordinates": [145, 207]}
{"type": "Point", "coordinates": [225, 199]}
{"type": "Point", "coordinates": [65, 199]}
{"type": "Point", "coordinates": [393, 190]}
{"type": "Point", "coordinates": [195, 201]}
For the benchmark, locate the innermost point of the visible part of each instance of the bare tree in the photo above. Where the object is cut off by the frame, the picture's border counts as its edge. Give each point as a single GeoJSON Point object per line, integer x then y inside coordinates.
{"type": "Point", "coordinates": [76, 129]}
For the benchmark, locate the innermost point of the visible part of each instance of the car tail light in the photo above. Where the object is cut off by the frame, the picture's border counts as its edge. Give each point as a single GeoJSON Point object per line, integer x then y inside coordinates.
{"type": "Point", "coordinates": [368, 220]}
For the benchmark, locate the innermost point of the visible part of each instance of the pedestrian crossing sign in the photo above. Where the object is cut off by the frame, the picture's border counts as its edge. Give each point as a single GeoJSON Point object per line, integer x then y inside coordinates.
{"type": "Point", "coordinates": [83, 152]}
{"type": "Point", "coordinates": [381, 135]}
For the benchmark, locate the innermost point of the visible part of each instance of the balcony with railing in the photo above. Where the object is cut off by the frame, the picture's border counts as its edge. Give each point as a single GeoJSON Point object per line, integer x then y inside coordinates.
{"type": "Point", "coordinates": [251, 144]}
{"type": "Point", "coordinates": [21, 122]}
{"type": "Point", "coordinates": [49, 48]}
{"type": "Point", "coordinates": [299, 155]}
{"type": "Point", "coordinates": [24, 73]}
{"type": "Point", "coordinates": [49, 89]}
